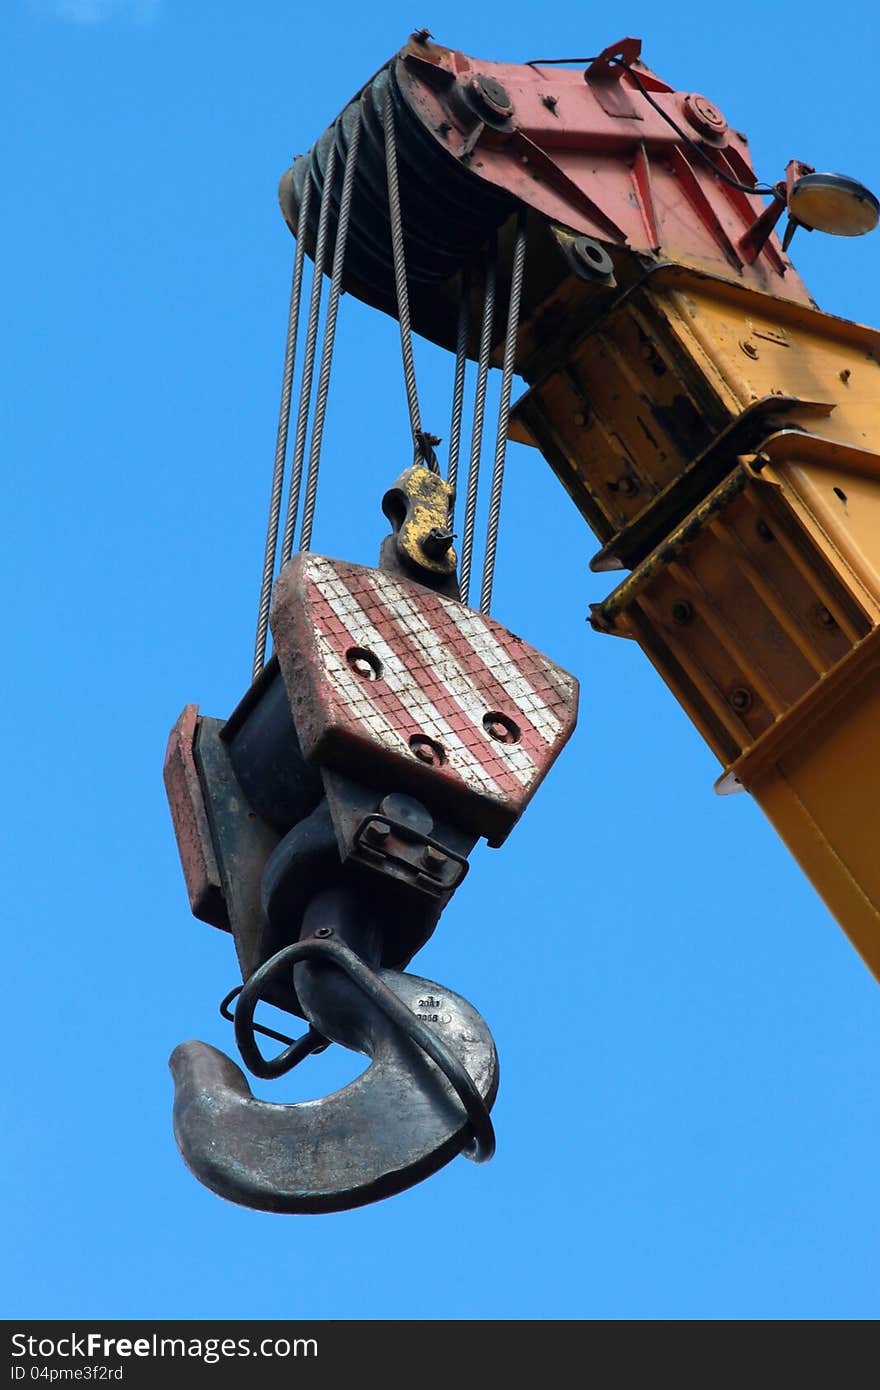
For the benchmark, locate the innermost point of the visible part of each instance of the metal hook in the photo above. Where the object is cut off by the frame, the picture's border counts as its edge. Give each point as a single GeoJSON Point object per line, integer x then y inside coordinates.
{"type": "Point", "coordinates": [424, 1098]}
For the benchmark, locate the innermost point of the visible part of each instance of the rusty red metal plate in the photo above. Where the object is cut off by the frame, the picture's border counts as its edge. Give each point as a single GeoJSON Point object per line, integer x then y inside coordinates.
{"type": "Point", "coordinates": [390, 680]}
{"type": "Point", "coordinates": [190, 819]}
{"type": "Point", "coordinates": [590, 152]}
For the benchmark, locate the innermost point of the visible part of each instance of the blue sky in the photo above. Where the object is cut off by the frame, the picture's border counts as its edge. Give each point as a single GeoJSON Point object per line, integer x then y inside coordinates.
{"type": "Point", "coordinates": [689, 1118]}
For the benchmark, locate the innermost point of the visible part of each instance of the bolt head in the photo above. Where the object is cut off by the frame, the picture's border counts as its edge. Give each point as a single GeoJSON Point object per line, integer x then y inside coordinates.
{"type": "Point", "coordinates": [376, 832]}
{"type": "Point", "coordinates": [427, 751]}
{"type": "Point", "coordinates": [324, 932]}
{"type": "Point", "coordinates": [433, 858]}
{"type": "Point", "coordinates": [501, 728]}
{"type": "Point", "coordinates": [741, 699]}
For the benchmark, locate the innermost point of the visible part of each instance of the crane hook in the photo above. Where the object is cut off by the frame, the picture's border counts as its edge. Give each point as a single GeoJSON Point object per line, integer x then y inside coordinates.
{"type": "Point", "coordinates": [424, 1098]}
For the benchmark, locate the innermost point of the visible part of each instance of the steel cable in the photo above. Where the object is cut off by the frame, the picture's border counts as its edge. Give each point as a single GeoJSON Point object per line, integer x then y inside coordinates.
{"type": "Point", "coordinates": [516, 283]}
{"type": "Point", "coordinates": [473, 482]}
{"type": "Point", "coordinates": [302, 419]}
{"type": "Point", "coordinates": [458, 383]}
{"type": "Point", "coordinates": [329, 336]}
{"type": "Point", "coordinates": [281, 438]}
{"type": "Point", "coordinates": [422, 444]}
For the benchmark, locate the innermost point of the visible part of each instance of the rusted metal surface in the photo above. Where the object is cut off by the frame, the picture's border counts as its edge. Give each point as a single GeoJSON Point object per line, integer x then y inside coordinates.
{"type": "Point", "coordinates": [389, 677]}
{"type": "Point", "coordinates": [605, 613]}
{"type": "Point", "coordinates": [742, 617]}
{"type": "Point", "coordinates": [746, 434]}
{"type": "Point", "coordinates": [188, 814]}
{"type": "Point", "coordinates": [242, 842]}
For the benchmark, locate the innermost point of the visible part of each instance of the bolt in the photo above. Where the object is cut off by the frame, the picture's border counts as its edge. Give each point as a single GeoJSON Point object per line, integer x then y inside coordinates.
{"type": "Point", "coordinates": [763, 530]}
{"type": "Point", "coordinates": [741, 699]}
{"type": "Point", "coordinates": [427, 751]}
{"type": "Point", "coordinates": [502, 729]}
{"type": "Point", "coordinates": [749, 348]}
{"type": "Point", "coordinates": [824, 618]}
{"type": "Point", "coordinates": [628, 486]}
{"type": "Point", "coordinates": [682, 612]}
{"type": "Point", "coordinates": [845, 376]}
{"type": "Point", "coordinates": [433, 859]}
{"type": "Point", "coordinates": [324, 932]}
{"type": "Point", "coordinates": [376, 832]}
{"type": "Point", "coordinates": [551, 103]}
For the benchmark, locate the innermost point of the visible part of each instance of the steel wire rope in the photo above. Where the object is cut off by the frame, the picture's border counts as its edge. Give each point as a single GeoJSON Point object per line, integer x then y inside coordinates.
{"type": "Point", "coordinates": [281, 437]}
{"type": "Point", "coordinates": [422, 444]}
{"type": "Point", "coordinates": [305, 539]}
{"type": "Point", "coordinates": [516, 284]}
{"type": "Point", "coordinates": [473, 482]}
{"type": "Point", "coordinates": [461, 343]}
{"type": "Point", "coordinates": [302, 419]}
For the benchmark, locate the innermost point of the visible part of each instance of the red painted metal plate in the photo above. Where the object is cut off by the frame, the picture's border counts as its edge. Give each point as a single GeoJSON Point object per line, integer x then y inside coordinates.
{"type": "Point", "coordinates": [190, 819]}
{"type": "Point", "coordinates": [383, 673]}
